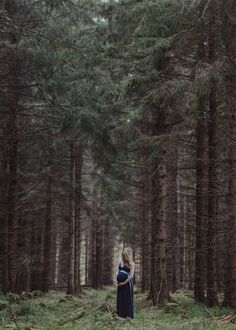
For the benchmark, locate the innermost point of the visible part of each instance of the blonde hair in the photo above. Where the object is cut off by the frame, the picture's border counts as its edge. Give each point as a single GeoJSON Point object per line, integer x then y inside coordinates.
{"type": "Point", "coordinates": [127, 255]}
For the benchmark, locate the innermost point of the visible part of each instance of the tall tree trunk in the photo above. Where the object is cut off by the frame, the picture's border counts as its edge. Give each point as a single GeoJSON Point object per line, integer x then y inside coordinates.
{"type": "Point", "coordinates": [145, 227]}
{"type": "Point", "coordinates": [77, 205]}
{"type": "Point", "coordinates": [163, 289]}
{"type": "Point", "coordinates": [86, 256]}
{"type": "Point", "coordinates": [4, 225]}
{"type": "Point", "coordinates": [24, 270]}
{"type": "Point", "coordinates": [47, 249]}
{"type": "Point", "coordinates": [71, 270]}
{"type": "Point", "coordinates": [12, 190]}
{"type": "Point", "coordinates": [159, 291]}
{"type": "Point", "coordinates": [230, 41]}
{"type": "Point", "coordinates": [154, 234]}
{"type": "Point", "coordinates": [199, 282]}
{"type": "Point", "coordinates": [107, 251]}
{"type": "Point", "coordinates": [212, 298]}
{"type": "Point", "coordinates": [12, 104]}
{"type": "Point", "coordinates": [98, 242]}
{"type": "Point", "coordinates": [173, 223]}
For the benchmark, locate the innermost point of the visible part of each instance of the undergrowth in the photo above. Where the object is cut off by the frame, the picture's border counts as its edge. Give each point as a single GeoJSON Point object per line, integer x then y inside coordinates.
{"type": "Point", "coordinates": [95, 310]}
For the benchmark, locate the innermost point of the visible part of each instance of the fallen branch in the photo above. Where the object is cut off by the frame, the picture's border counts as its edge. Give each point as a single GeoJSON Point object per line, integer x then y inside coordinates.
{"type": "Point", "coordinates": [104, 307]}
{"type": "Point", "coordinates": [226, 318]}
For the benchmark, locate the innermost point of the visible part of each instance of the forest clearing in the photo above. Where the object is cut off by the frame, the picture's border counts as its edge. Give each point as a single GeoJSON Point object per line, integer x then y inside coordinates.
{"type": "Point", "coordinates": [117, 164]}
{"type": "Point", "coordinates": [96, 311]}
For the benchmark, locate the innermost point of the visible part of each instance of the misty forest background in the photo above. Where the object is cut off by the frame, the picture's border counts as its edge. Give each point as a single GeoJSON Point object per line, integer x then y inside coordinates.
{"type": "Point", "coordinates": [118, 128]}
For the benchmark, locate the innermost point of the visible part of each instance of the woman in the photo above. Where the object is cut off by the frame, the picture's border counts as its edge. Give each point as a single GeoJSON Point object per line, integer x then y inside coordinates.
{"type": "Point", "coordinates": [125, 274]}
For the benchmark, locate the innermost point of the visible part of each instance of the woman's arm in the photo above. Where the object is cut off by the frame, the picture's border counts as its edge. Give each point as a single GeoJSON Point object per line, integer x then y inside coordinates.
{"type": "Point", "coordinates": [131, 272]}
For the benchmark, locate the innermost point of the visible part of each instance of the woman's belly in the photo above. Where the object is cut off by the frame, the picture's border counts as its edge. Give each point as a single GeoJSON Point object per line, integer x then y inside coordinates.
{"type": "Point", "coordinates": [122, 276]}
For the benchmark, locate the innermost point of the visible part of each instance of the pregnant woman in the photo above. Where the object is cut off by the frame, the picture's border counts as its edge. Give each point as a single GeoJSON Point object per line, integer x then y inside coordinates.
{"type": "Point", "coordinates": [125, 274]}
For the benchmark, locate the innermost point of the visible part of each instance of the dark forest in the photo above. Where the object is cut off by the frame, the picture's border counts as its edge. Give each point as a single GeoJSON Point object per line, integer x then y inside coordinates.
{"type": "Point", "coordinates": [118, 128]}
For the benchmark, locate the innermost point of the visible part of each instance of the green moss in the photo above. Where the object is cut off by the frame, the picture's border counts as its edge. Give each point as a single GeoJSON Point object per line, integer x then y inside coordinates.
{"type": "Point", "coordinates": [95, 310]}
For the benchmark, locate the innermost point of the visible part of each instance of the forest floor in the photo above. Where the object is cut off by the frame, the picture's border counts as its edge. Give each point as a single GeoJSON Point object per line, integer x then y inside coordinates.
{"type": "Point", "coordinates": [95, 310]}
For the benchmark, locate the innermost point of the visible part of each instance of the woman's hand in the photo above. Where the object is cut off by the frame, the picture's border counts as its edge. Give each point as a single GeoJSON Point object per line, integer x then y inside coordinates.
{"type": "Point", "coordinates": [120, 283]}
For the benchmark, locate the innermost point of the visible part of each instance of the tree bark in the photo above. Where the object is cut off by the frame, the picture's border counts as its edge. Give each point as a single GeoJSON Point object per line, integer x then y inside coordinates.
{"type": "Point", "coordinates": [230, 42]}
{"type": "Point", "coordinates": [145, 225]}
{"type": "Point", "coordinates": [77, 205]}
{"type": "Point", "coordinates": [199, 282]}
{"type": "Point", "coordinates": [12, 145]}
{"type": "Point", "coordinates": [159, 291]}
{"type": "Point", "coordinates": [163, 289]}
{"type": "Point", "coordinates": [47, 249]}
{"type": "Point", "coordinates": [212, 298]}
{"type": "Point", "coordinates": [71, 270]}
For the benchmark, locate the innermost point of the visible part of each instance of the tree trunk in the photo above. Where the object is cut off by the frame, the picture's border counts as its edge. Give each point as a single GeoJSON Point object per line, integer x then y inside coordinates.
{"type": "Point", "coordinates": [47, 249]}
{"type": "Point", "coordinates": [4, 225]}
{"type": "Point", "coordinates": [12, 145]}
{"type": "Point", "coordinates": [145, 207]}
{"type": "Point", "coordinates": [230, 35]}
{"type": "Point", "coordinates": [159, 291]}
{"type": "Point", "coordinates": [71, 270]}
{"type": "Point", "coordinates": [212, 298]}
{"type": "Point", "coordinates": [199, 282]}
{"type": "Point", "coordinates": [107, 251]}
{"type": "Point", "coordinates": [163, 289]}
{"type": "Point", "coordinates": [77, 205]}
{"type": "Point", "coordinates": [154, 234]}
{"type": "Point", "coordinates": [173, 223]}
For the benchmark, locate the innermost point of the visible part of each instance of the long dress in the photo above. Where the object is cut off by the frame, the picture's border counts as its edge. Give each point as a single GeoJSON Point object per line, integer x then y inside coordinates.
{"type": "Point", "coordinates": [125, 293]}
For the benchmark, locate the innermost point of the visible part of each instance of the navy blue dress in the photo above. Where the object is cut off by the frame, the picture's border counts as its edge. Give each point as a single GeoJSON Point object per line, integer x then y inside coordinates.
{"type": "Point", "coordinates": [125, 304]}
